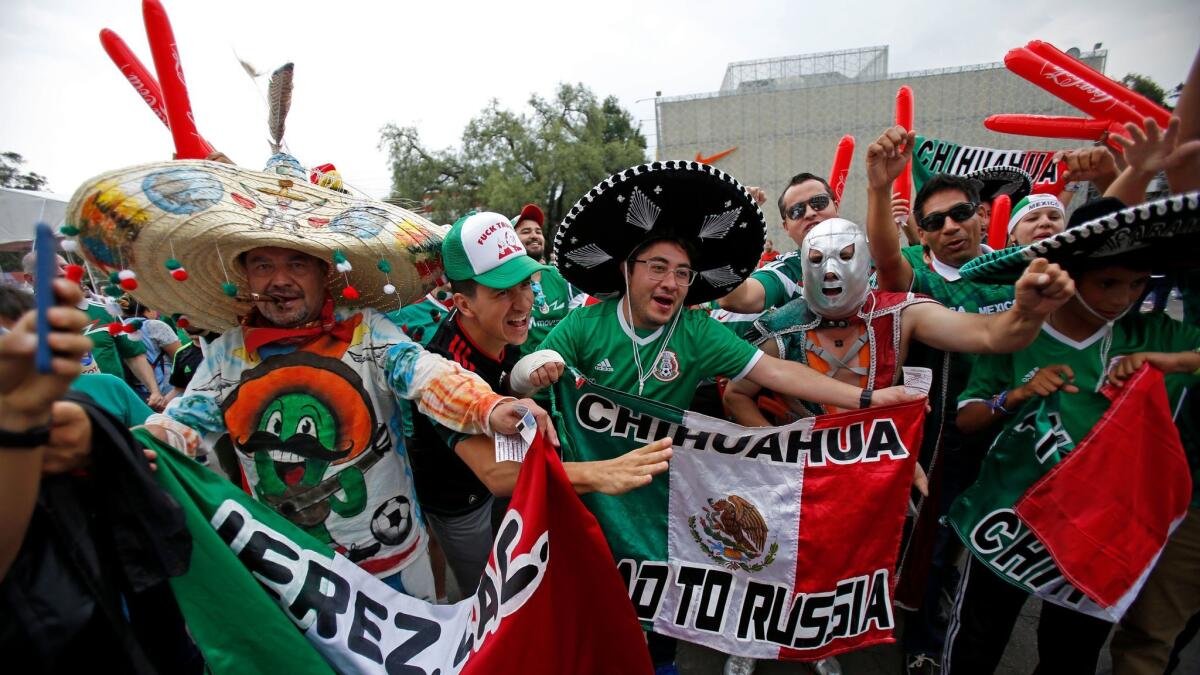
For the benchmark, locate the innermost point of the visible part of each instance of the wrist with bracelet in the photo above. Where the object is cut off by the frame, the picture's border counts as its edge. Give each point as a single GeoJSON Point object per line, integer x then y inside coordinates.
{"type": "Point", "coordinates": [23, 434]}
{"type": "Point", "coordinates": [996, 403]}
{"type": "Point", "coordinates": [864, 398]}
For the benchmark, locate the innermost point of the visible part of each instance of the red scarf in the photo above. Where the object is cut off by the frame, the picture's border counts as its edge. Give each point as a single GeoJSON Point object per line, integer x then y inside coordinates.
{"type": "Point", "coordinates": [257, 331]}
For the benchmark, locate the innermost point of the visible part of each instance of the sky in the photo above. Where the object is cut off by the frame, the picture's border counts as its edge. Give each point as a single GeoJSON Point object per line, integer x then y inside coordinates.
{"type": "Point", "coordinates": [434, 65]}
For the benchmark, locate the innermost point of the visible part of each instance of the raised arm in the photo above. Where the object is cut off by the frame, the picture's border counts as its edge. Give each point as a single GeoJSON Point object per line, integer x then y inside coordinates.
{"type": "Point", "coordinates": [796, 379]}
{"type": "Point", "coordinates": [1186, 176]}
{"type": "Point", "coordinates": [886, 159]}
{"type": "Point", "coordinates": [1148, 153]}
{"type": "Point", "coordinates": [1041, 289]}
{"type": "Point", "coordinates": [739, 395]}
{"type": "Point", "coordinates": [748, 298]}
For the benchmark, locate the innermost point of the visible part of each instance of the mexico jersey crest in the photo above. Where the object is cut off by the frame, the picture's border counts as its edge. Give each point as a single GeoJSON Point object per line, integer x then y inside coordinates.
{"type": "Point", "coordinates": [667, 368]}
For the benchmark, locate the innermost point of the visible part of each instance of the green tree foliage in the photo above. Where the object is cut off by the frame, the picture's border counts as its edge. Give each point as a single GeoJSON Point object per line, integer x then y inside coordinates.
{"type": "Point", "coordinates": [12, 177]}
{"type": "Point", "coordinates": [550, 156]}
{"type": "Point", "coordinates": [1151, 89]}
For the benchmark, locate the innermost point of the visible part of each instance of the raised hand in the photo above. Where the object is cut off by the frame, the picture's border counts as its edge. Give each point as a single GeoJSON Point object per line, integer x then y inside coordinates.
{"type": "Point", "coordinates": [1152, 151]}
{"type": "Point", "coordinates": [888, 155]}
{"type": "Point", "coordinates": [1042, 288]}
{"type": "Point", "coordinates": [1095, 164]}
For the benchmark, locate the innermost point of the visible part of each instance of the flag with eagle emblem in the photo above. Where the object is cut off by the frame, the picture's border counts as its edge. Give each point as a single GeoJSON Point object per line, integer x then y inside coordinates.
{"type": "Point", "coordinates": [774, 542]}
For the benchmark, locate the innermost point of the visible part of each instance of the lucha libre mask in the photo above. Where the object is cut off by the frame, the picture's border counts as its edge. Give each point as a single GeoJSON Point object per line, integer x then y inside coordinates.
{"type": "Point", "coordinates": [836, 285]}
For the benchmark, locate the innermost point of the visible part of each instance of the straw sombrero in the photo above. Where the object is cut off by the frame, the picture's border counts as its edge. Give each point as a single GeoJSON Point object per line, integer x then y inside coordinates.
{"type": "Point", "coordinates": [1167, 229]}
{"type": "Point", "coordinates": [1002, 180]}
{"type": "Point", "coordinates": [689, 200]}
{"type": "Point", "coordinates": [173, 231]}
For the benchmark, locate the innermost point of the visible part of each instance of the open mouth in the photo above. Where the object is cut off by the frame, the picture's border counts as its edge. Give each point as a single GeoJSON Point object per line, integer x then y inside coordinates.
{"type": "Point", "coordinates": [288, 466]}
{"type": "Point", "coordinates": [956, 246]}
{"type": "Point", "coordinates": [830, 292]}
{"type": "Point", "coordinates": [521, 324]}
{"type": "Point", "coordinates": [663, 302]}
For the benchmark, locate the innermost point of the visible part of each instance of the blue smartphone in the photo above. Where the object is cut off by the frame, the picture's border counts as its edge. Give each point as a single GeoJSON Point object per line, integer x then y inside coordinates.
{"type": "Point", "coordinates": [46, 270]}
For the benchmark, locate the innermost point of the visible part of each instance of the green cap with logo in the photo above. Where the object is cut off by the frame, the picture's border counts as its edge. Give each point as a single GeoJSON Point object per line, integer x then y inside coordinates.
{"type": "Point", "coordinates": [484, 248]}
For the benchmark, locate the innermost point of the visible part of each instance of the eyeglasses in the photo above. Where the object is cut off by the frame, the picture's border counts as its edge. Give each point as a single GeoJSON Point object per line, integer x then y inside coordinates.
{"type": "Point", "coordinates": [817, 202]}
{"type": "Point", "coordinates": [657, 270]}
{"type": "Point", "coordinates": [960, 212]}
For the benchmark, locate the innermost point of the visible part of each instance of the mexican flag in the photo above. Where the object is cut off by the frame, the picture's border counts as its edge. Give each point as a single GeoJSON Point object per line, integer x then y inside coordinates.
{"type": "Point", "coordinates": [775, 543]}
{"type": "Point", "coordinates": [934, 155]}
{"type": "Point", "coordinates": [1080, 526]}
{"type": "Point", "coordinates": [262, 596]}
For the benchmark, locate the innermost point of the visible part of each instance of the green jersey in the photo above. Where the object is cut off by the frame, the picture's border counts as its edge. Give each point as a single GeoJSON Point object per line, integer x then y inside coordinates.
{"type": "Point", "coordinates": [550, 306]}
{"type": "Point", "coordinates": [942, 283]}
{"type": "Point", "coordinates": [599, 342]}
{"type": "Point", "coordinates": [420, 320]}
{"type": "Point", "coordinates": [113, 395]}
{"type": "Point", "coordinates": [781, 279]}
{"type": "Point", "coordinates": [108, 351]}
{"type": "Point", "coordinates": [994, 373]}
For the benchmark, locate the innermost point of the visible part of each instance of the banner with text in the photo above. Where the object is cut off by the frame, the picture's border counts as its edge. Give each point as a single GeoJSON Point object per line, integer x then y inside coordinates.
{"type": "Point", "coordinates": [263, 596]}
{"type": "Point", "coordinates": [775, 542]}
{"type": "Point", "coordinates": [934, 155]}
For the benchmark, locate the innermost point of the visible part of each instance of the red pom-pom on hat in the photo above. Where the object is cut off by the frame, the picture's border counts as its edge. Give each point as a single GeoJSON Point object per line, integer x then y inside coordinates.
{"type": "Point", "coordinates": [179, 274]}
{"type": "Point", "coordinates": [129, 284]}
{"type": "Point", "coordinates": [350, 293]}
{"type": "Point", "coordinates": [74, 273]}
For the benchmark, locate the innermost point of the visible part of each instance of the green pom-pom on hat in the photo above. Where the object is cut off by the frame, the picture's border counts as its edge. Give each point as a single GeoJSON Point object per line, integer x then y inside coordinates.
{"type": "Point", "coordinates": [69, 230]}
{"type": "Point", "coordinates": [114, 278]}
{"type": "Point", "coordinates": [229, 288]}
{"type": "Point", "coordinates": [113, 291]}
{"type": "Point", "coordinates": [173, 264]}
{"type": "Point", "coordinates": [385, 266]}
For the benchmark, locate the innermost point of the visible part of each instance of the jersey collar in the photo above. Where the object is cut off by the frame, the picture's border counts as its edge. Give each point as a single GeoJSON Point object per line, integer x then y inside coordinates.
{"type": "Point", "coordinates": [629, 330]}
{"type": "Point", "coordinates": [951, 273]}
{"type": "Point", "coordinates": [1076, 344]}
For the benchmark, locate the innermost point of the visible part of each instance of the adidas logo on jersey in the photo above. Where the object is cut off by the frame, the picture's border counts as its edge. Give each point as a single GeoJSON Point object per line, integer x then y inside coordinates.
{"type": "Point", "coordinates": [604, 366]}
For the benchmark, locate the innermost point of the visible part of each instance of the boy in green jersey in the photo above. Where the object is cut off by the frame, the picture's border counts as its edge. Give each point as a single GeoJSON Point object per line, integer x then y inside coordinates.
{"type": "Point", "coordinates": [1096, 337]}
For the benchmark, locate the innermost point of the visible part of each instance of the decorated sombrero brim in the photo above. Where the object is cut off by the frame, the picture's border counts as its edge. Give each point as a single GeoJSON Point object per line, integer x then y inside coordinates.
{"type": "Point", "coordinates": [689, 200]}
{"type": "Point", "coordinates": [201, 215]}
{"type": "Point", "coordinates": [1168, 229]}
{"type": "Point", "coordinates": [1002, 180]}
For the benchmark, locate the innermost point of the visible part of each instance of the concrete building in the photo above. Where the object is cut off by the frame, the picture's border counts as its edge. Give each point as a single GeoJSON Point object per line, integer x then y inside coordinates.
{"type": "Point", "coordinates": [786, 115]}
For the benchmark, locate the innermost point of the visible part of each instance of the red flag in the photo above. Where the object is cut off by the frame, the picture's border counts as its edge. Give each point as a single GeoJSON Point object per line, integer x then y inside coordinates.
{"type": "Point", "coordinates": [1104, 512]}
{"type": "Point", "coordinates": [580, 620]}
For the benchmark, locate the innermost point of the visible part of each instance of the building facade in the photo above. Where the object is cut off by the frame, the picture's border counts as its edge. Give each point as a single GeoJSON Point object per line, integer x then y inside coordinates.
{"type": "Point", "coordinates": [787, 115]}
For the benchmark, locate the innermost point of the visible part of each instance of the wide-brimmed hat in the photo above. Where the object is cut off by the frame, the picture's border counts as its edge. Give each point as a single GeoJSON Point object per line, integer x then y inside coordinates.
{"type": "Point", "coordinates": [178, 228]}
{"type": "Point", "coordinates": [1002, 180]}
{"type": "Point", "coordinates": [690, 201]}
{"type": "Point", "coordinates": [1167, 230]}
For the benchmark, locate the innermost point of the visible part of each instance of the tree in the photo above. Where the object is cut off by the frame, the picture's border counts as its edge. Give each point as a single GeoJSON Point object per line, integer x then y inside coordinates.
{"type": "Point", "coordinates": [11, 176]}
{"type": "Point", "coordinates": [1151, 89]}
{"type": "Point", "coordinates": [550, 157]}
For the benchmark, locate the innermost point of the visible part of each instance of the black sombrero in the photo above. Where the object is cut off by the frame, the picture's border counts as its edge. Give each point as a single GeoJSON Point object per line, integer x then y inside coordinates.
{"type": "Point", "coordinates": [1168, 229]}
{"type": "Point", "coordinates": [1002, 180]}
{"type": "Point", "coordinates": [689, 200]}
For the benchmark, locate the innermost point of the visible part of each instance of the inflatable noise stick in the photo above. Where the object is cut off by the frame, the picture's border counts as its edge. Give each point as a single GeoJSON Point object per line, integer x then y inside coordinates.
{"type": "Point", "coordinates": [1053, 126]}
{"type": "Point", "coordinates": [998, 226]}
{"type": "Point", "coordinates": [1142, 105]}
{"type": "Point", "coordinates": [139, 78]}
{"type": "Point", "coordinates": [1070, 87]}
{"type": "Point", "coordinates": [904, 118]}
{"type": "Point", "coordinates": [841, 166]}
{"type": "Point", "coordinates": [188, 142]}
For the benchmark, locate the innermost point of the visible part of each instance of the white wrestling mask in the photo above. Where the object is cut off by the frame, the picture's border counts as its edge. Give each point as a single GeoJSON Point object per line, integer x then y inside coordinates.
{"type": "Point", "coordinates": [837, 264]}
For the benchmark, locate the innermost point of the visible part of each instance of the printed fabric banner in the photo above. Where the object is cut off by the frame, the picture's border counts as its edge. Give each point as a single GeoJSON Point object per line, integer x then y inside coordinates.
{"type": "Point", "coordinates": [1079, 526]}
{"type": "Point", "coordinates": [933, 155]}
{"type": "Point", "coordinates": [775, 542]}
{"type": "Point", "coordinates": [263, 596]}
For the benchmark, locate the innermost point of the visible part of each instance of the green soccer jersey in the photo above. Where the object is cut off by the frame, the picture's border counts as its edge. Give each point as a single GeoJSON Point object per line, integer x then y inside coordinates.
{"type": "Point", "coordinates": [994, 373]}
{"type": "Point", "coordinates": [113, 395]}
{"type": "Point", "coordinates": [549, 308]}
{"type": "Point", "coordinates": [781, 279]}
{"type": "Point", "coordinates": [598, 342]}
{"type": "Point", "coordinates": [420, 320]}
{"type": "Point", "coordinates": [108, 351]}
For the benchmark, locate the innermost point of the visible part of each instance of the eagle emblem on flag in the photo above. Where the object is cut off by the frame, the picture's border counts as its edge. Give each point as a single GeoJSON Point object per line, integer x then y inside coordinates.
{"type": "Point", "coordinates": [733, 533]}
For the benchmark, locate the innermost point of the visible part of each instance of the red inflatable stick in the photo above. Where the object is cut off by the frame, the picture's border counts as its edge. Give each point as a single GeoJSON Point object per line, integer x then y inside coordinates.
{"type": "Point", "coordinates": [904, 118]}
{"type": "Point", "coordinates": [1070, 87]}
{"type": "Point", "coordinates": [1049, 126]}
{"type": "Point", "coordinates": [841, 166]}
{"type": "Point", "coordinates": [139, 78]}
{"type": "Point", "coordinates": [998, 227]}
{"type": "Point", "coordinates": [188, 142]}
{"type": "Point", "coordinates": [1140, 104]}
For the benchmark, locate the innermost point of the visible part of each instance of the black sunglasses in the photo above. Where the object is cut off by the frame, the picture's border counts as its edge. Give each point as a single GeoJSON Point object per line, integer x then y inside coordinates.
{"type": "Point", "coordinates": [960, 212]}
{"type": "Point", "coordinates": [817, 202]}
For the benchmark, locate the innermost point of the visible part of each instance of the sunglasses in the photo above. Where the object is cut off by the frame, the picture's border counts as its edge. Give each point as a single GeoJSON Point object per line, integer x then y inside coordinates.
{"type": "Point", "coordinates": [961, 213]}
{"type": "Point", "coordinates": [818, 203]}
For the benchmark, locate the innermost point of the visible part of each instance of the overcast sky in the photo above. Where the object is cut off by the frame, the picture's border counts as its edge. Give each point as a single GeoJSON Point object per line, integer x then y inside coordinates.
{"type": "Point", "coordinates": [435, 64]}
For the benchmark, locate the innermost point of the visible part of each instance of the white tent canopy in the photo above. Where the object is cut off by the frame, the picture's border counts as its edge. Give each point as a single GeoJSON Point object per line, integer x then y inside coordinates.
{"type": "Point", "coordinates": [20, 210]}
